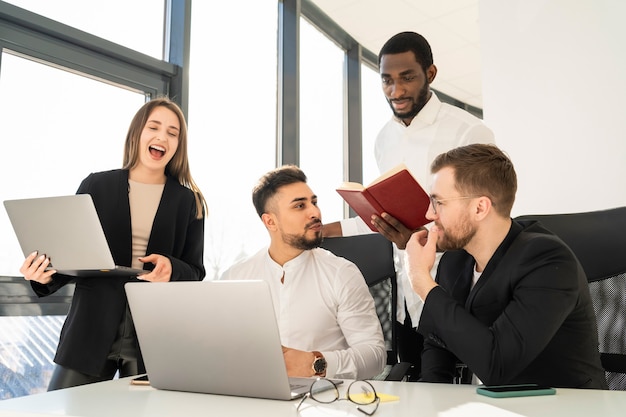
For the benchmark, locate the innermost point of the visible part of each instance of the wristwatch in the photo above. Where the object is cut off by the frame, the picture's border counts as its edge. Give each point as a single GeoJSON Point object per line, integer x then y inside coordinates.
{"type": "Point", "coordinates": [319, 364]}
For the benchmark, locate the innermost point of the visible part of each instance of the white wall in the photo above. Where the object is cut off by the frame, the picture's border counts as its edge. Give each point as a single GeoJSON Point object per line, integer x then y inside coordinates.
{"type": "Point", "coordinates": [554, 88]}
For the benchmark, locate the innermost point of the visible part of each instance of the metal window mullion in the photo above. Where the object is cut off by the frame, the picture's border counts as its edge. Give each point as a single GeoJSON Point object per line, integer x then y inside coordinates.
{"type": "Point", "coordinates": [353, 138]}
{"type": "Point", "coordinates": [177, 45]}
{"type": "Point", "coordinates": [288, 112]}
{"type": "Point", "coordinates": [60, 45]}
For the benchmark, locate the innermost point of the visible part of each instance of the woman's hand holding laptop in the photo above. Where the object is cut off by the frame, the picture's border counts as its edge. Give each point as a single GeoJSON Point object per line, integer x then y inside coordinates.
{"type": "Point", "coordinates": [34, 268]}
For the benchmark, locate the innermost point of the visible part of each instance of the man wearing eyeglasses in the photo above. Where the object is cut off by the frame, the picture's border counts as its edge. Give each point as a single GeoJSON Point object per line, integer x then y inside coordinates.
{"type": "Point", "coordinates": [326, 315]}
{"type": "Point", "coordinates": [510, 300]}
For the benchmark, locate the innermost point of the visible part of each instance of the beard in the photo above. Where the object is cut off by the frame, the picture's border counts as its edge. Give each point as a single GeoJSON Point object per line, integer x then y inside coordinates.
{"type": "Point", "coordinates": [301, 241]}
{"type": "Point", "coordinates": [418, 104]}
{"type": "Point", "coordinates": [459, 240]}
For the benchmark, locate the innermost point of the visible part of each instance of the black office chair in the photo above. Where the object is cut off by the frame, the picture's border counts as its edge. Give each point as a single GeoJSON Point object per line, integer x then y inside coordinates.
{"type": "Point", "coordinates": [373, 255]}
{"type": "Point", "coordinates": [598, 238]}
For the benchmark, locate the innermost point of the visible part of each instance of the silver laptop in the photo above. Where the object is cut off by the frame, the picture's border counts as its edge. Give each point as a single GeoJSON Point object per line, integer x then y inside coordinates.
{"type": "Point", "coordinates": [214, 337]}
{"type": "Point", "coordinates": [66, 229]}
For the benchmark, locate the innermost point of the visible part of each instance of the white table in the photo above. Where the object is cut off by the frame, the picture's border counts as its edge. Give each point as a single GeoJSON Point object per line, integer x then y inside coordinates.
{"type": "Point", "coordinates": [119, 398]}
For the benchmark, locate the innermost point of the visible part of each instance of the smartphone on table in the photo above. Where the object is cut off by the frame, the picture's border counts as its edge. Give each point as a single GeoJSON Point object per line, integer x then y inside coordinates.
{"type": "Point", "coordinates": [519, 390]}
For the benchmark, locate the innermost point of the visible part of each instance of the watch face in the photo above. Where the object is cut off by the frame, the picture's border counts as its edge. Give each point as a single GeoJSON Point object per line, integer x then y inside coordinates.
{"type": "Point", "coordinates": [319, 366]}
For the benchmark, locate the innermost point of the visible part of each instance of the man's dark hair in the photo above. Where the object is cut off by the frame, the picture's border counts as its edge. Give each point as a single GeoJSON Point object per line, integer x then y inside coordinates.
{"type": "Point", "coordinates": [268, 185]}
{"type": "Point", "coordinates": [409, 41]}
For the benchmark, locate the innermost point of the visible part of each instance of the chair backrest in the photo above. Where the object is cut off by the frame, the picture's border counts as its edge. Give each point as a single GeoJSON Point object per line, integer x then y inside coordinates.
{"type": "Point", "coordinates": [598, 239]}
{"type": "Point", "coordinates": [373, 255]}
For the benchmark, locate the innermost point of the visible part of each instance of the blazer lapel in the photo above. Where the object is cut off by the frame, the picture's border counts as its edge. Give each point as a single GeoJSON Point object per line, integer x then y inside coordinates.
{"type": "Point", "coordinates": [463, 282]}
{"type": "Point", "coordinates": [493, 263]}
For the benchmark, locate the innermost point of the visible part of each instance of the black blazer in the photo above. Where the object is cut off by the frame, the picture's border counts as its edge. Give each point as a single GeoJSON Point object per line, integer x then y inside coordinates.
{"type": "Point", "coordinates": [529, 318]}
{"type": "Point", "coordinates": [99, 303]}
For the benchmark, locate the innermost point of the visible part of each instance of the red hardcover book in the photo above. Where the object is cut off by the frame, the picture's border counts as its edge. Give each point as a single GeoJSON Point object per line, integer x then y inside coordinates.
{"type": "Point", "coordinates": [396, 192]}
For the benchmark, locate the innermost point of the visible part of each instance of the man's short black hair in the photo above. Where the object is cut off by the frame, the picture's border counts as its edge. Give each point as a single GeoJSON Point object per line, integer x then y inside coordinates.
{"type": "Point", "coordinates": [409, 41]}
{"type": "Point", "coordinates": [268, 185]}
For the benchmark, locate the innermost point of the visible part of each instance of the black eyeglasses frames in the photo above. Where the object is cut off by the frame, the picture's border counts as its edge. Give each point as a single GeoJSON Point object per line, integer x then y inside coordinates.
{"type": "Point", "coordinates": [361, 393]}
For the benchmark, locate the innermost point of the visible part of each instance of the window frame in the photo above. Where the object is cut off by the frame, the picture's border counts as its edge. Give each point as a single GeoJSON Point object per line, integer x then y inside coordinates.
{"type": "Point", "coordinates": [35, 37]}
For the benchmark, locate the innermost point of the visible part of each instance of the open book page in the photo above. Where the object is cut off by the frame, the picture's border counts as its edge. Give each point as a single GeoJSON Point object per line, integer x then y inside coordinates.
{"type": "Point", "coordinates": [355, 186]}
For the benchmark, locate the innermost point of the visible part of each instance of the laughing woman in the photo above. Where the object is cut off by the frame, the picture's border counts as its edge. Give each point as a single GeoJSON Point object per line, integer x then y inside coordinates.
{"type": "Point", "coordinates": [152, 214]}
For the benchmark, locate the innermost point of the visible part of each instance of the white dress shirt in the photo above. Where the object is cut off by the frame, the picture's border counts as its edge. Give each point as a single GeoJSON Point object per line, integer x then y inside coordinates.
{"type": "Point", "coordinates": [323, 305]}
{"type": "Point", "coordinates": [437, 128]}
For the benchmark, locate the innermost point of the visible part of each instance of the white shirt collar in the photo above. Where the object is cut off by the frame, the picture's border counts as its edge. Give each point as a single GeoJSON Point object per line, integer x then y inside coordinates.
{"type": "Point", "coordinates": [293, 263]}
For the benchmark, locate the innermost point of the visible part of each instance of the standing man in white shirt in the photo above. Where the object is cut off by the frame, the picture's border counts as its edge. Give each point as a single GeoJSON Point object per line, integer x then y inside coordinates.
{"type": "Point", "coordinates": [326, 316]}
{"type": "Point", "coordinates": [421, 128]}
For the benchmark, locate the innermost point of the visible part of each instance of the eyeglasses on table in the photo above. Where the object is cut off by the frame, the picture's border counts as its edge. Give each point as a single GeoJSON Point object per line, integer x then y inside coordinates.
{"type": "Point", "coordinates": [361, 393]}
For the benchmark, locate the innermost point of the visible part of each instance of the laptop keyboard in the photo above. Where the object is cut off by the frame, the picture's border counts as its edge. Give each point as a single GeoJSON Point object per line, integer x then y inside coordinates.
{"type": "Point", "coordinates": [298, 384]}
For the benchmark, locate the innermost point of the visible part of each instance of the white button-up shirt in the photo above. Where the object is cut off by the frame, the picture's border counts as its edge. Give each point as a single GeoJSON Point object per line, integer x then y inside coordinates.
{"type": "Point", "coordinates": [323, 304]}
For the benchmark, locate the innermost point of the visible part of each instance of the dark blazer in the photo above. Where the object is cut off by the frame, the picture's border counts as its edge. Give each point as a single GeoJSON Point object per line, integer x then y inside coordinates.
{"type": "Point", "coordinates": [529, 318]}
{"type": "Point", "coordinates": [99, 304]}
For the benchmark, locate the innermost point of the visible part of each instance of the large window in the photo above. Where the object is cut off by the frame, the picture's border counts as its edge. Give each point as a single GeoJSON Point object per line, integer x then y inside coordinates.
{"type": "Point", "coordinates": [376, 113]}
{"type": "Point", "coordinates": [321, 118]}
{"type": "Point", "coordinates": [232, 121]}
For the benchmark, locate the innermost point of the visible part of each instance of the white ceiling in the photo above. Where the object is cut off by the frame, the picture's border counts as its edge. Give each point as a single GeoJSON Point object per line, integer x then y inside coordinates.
{"type": "Point", "coordinates": [450, 26]}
